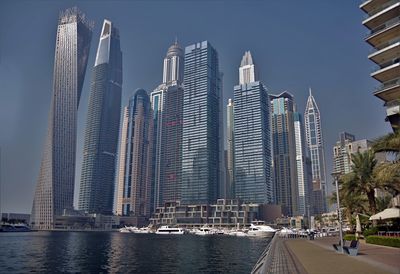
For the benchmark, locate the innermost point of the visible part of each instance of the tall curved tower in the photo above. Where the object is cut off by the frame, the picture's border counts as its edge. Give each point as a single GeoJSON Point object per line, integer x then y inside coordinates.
{"type": "Point", "coordinates": [55, 187]}
{"type": "Point", "coordinates": [96, 193]}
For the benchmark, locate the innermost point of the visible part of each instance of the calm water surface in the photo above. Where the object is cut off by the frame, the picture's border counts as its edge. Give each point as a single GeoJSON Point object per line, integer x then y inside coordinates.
{"type": "Point", "coordinates": [96, 252]}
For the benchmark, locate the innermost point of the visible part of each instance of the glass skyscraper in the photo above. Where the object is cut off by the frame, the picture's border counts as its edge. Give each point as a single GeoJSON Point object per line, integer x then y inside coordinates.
{"type": "Point", "coordinates": [302, 166]}
{"type": "Point", "coordinates": [284, 152]}
{"type": "Point", "coordinates": [55, 187]}
{"type": "Point", "coordinates": [202, 153]}
{"type": "Point", "coordinates": [167, 105]}
{"type": "Point", "coordinates": [96, 193]}
{"type": "Point", "coordinates": [252, 152]}
{"type": "Point", "coordinates": [135, 163]}
{"type": "Point", "coordinates": [315, 144]}
{"type": "Point", "coordinates": [230, 152]}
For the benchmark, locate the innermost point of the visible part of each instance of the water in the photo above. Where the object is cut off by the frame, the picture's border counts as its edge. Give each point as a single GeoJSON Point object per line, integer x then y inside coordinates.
{"type": "Point", "coordinates": [101, 252]}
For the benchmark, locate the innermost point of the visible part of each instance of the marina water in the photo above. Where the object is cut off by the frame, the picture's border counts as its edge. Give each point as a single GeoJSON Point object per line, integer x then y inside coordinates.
{"type": "Point", "coordinates": [96, 252]}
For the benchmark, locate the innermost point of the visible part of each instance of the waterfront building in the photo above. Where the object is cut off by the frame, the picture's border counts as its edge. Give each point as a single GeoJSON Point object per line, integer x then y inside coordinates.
{"type": "Point", "coordinates": [55, 186]}
{"type": "Point", "coordinates": [344, 149]}
{"type": "Point", "coordinates": [230, 152]}
{"type": "Point", "coordinates": [96, 193]}
{"type": "Point", "coordinates": [222, 213]}
{"type": "Point", "coordinates": [284, 152]}
{"type": "Point", "coordinates": [315, 143]}
{"type": "Point", "coordinates": [167, 104]}
{"type": "Point", "coordinates": [304, 181]}
{"type": "Point", "coordinates": [383, 21]}
{"type": "Point", "coordinates": [135, 166]}
{"type": "Point", "coordinates": [202, 136]}
{"type": "Point", "coordinates": [252, 153]}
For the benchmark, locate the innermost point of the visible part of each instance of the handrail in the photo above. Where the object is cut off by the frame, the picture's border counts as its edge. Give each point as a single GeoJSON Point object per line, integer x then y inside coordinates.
{"type": "Point", "coordinates": [265, 258]}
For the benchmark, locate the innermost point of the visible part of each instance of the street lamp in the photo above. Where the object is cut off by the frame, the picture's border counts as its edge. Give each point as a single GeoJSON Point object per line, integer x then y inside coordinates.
{"type": "Point", "coordinates": [336, 176]}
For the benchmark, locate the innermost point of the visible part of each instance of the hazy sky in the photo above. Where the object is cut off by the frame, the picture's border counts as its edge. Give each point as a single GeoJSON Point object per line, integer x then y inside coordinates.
{"type": "Point", "coordinates": [295, 44]}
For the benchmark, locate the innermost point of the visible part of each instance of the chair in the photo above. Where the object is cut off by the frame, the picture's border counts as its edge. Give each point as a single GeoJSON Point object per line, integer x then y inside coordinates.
{"type": "Point", "coordinates": [352, 250]}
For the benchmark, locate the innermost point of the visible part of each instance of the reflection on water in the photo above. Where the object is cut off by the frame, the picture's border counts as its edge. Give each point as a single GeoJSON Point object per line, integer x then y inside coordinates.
{"type": "Point", "coordinates": [97, 252]}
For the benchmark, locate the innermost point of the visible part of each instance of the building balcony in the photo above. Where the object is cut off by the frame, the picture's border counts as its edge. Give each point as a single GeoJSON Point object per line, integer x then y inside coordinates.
{"type": "Point", "coordinates": [384, 33]}
{"type": "Point", "coordinates": [387, 71]}
{"type": "Point", "coordinates": [389, 91]}
{"type": "Point", "coordinates": [372, 7]}
{"type": "Point", "coordinates": [390, 10]}
{"type": "Point", "coordinates": [386, 54]}
{"type": "Point", "coordinates": [393, 113]}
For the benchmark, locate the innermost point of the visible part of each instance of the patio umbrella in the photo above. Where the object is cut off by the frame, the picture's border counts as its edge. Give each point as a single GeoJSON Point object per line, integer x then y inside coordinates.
{"type": "Point", "coordinates": [388, 213]}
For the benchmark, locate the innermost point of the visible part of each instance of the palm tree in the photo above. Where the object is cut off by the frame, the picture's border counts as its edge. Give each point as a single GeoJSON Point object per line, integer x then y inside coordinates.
{"type": "Point", "coordinates": [363, 176]}
{"type": "Point", "coordinates": [389, 173]}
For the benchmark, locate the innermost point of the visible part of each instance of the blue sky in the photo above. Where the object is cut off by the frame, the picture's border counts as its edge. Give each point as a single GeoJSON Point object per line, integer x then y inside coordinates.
{"type": "Point", "coordinates": [295, 44]}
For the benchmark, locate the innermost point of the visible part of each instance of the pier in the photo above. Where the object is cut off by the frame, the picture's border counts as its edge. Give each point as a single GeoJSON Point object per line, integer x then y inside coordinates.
{"type": "Point", "coordinates": [299, 255]}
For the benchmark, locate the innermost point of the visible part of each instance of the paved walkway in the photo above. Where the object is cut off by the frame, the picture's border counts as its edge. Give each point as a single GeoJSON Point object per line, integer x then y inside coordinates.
{"type": "Point", "coordinates": [319, 257]}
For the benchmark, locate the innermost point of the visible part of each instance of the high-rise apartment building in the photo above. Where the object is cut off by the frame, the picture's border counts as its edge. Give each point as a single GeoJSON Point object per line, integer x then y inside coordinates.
{"type": "Point", "coordinates": [167, 104]}
{"type": "Point", "coordinates": [230, 151]}
{"type": "Point", "coordinates": [96, 193]}
{"type": "Point", "coordinates": [304, 182]}
{"type": "Point", "coordinates": [344, 149]}
{"type": "Point", "coordinates": [315, 143]}
{"type": "Point", "coordinates": [202, 153]}
{"type": "Point", "coordinates": [383, 21]}
{"type": "Point", "coordinates": [55, 187]}
{"type": "Point", "coordinates": [252, 153]}
{"type": "Point", "coordinates": [135, 163]}
{"type": "Point", "coordinates": [284, 152]}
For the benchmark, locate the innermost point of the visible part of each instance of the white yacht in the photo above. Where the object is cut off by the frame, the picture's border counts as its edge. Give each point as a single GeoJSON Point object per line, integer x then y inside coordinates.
{"type": "Point", "coordinates": [260, 229]}
{"type": "Point", "coordinates": [166, 230]}
{"type": "Point", "coordinates": [143, 230]}
{"type": "Point", "coordinates": [204, 230]}
{"type": "Point", "coordinates": [125, 230]}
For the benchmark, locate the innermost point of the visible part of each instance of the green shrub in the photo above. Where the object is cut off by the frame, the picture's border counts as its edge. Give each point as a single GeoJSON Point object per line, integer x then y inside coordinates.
{"type": "Point", "coordinates": [349, 237]}
{"type": "Point", "coordinates": [370, 231]}
{"type": "Point", "coordinates": [382, 240]}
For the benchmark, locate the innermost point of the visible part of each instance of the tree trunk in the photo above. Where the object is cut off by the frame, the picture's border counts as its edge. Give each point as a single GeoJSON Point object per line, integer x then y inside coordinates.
{"type": "Point", "coordinates": [371, 201]}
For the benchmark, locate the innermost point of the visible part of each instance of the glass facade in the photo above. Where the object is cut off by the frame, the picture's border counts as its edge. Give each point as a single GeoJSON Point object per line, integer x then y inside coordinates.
{"type": "Point", "coordinates": [201, 137]}
{"type": "Point", "coordinates": [96, 193]}
{"type": "Point", "coordinates": [136, 149]}
{"type": "Point", "coordinates": [253, 182]}
{"type": "Point", "coordinates": [315, 145]}
{"type": "Point", "coordinates": [284, 152]}
{"type": "Point", "coordinates": [55, 187]}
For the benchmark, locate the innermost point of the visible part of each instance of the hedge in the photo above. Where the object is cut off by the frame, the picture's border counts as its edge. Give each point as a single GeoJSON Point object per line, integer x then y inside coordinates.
{"type": "Point", "coordinates": [382, 240]}
{"type": "Point", "coordinates": [370, 231]}
{"type": "Point", "coordinates": [349, 237]}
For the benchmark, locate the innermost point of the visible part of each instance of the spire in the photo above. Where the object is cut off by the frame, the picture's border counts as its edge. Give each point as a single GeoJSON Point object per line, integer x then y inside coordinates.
{"type": "Point", "coordinates": [247, 71]}
{"type": "Point", "coordinates": [310, 91]}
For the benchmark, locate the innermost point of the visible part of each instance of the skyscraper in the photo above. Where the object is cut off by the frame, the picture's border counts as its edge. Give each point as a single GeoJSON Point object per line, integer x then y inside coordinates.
{"type": "Point", "coordinates": [230, 177]}
{"type": "Point", "coordinates": [252, 152]}
{"type": "Point", "coordinates": [55, 187]}
{"type": "Point", "coordinates": [304, 182]}
{"type": "Point", "coordinates": [284, 152]}
{"type": "Point", "coordinates": [167, 104]}
{"type": "Point", "coordinates": [201, 138]}
{"type": "Point", "coordinates": [135, 163]}
{"type": "Point", "coordinates": [315, 145]}
{"type": "Point", "coordinates": [102, 127]}
{"type": "Point", "coordinates": [383, 22]}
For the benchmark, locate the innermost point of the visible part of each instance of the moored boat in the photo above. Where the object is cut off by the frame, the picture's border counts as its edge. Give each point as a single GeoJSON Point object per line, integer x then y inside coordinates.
{"type": "Point", "coordinates": [166, 230]}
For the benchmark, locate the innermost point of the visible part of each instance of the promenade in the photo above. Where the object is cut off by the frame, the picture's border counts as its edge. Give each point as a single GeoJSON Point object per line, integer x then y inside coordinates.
{"type": "Point", "coordinates": [318, 257]}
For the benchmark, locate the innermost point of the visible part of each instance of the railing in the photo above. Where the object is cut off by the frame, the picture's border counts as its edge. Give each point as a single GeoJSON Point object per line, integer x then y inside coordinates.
{"type": "Point", "coordinates": [388, 84]}
{"type": "Point", "coordinates": [384, 26]}
{"type": "Point", "coordinates": [386, 64]}
{"type": "Point", "coordinates": [381, 8]}
{"type": "Point", "coordinates": [266, 257]}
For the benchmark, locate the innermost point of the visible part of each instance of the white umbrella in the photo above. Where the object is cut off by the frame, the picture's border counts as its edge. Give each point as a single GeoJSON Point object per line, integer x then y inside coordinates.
{"type": "Point", "coordinates": [388, 213]}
